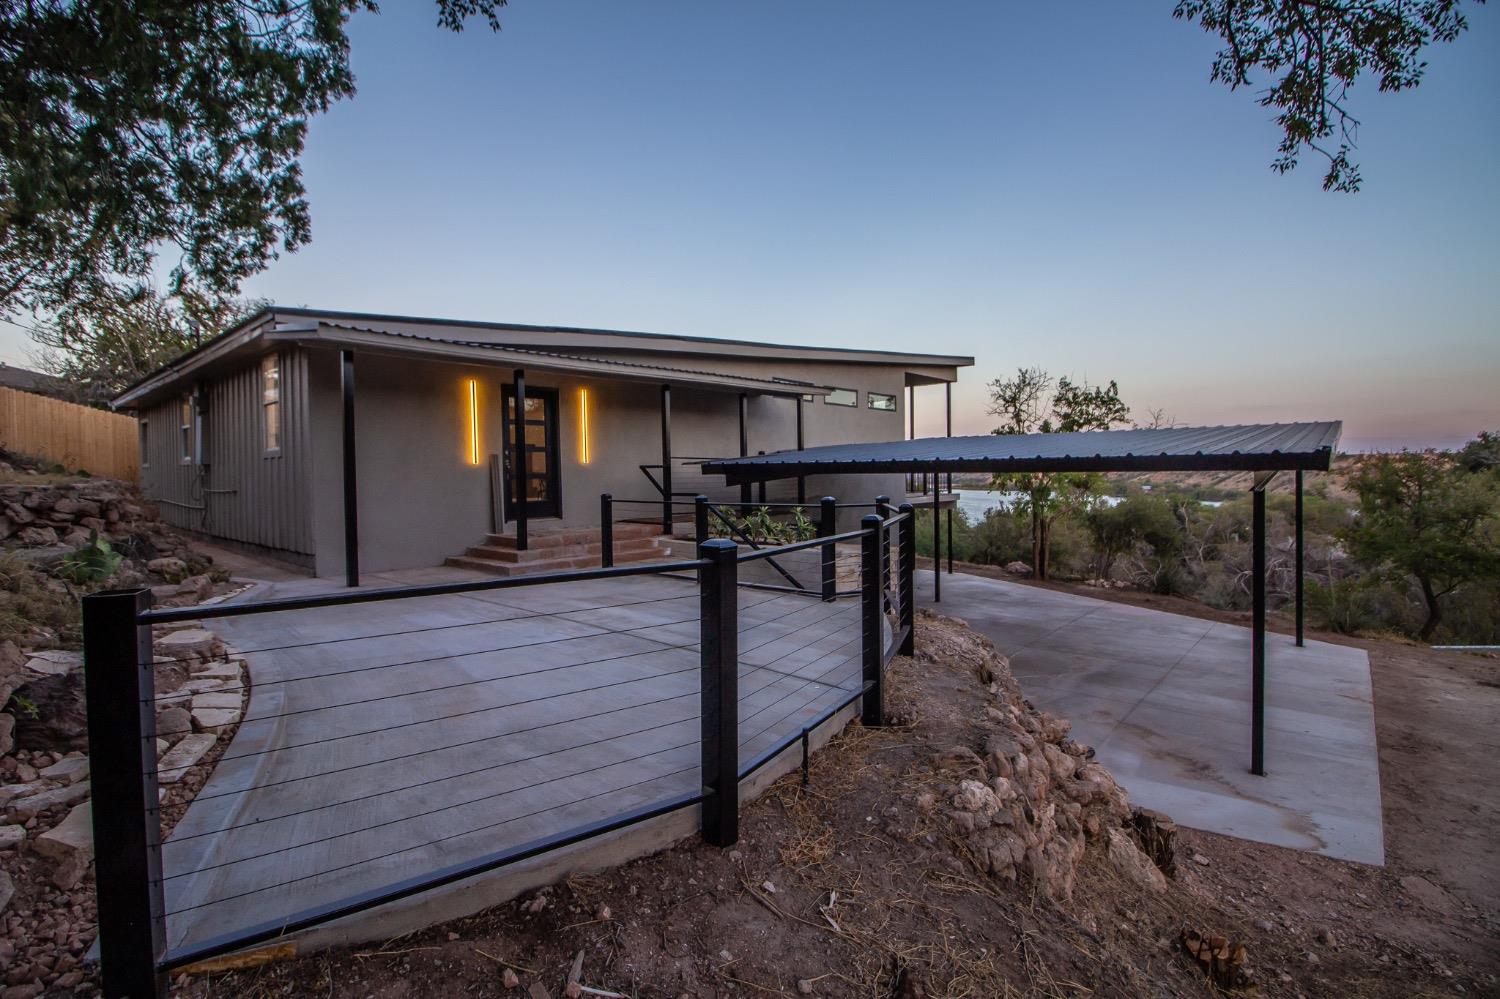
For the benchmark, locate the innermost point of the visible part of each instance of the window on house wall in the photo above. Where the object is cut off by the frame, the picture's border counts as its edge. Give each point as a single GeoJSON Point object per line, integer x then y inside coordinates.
{"type": "Point", "coordinates": [270, 402]}
{"type": "Point", "coordinates": [185, 428]}
{"type": "Point", "coordinates": [842, 397]}
{"type": "Point", "coordinates": [144, 430]}
{"type": "Point", "coordinates": [882, 401]}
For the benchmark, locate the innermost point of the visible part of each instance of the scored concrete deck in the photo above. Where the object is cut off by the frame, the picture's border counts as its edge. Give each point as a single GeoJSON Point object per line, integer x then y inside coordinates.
{"type": "Point", "coordinates": [386, 740]}
{"type": "Point", "coordinates": [1165, 701]}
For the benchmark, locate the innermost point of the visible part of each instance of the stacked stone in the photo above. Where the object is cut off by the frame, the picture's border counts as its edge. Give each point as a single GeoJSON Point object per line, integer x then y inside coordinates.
{"type": "Point", "coordinates": [37, 516]}
{"type": "Point", "coordinates": [1029, 801]}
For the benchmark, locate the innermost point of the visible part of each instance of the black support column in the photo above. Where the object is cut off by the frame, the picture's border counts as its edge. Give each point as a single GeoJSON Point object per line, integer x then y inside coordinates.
{"type": "Point", "coordinates": [351, 484]}
{"type": "Point", "coordinates": [518, 458]}
{"type": "Point", "coordinates": [948, 415]}
{"type": "Point", "coordinates": [937, 542]}
{"type": "Point", "coordinates": [1258, 631]}
{"type": "Point", "coordinates": [801, 443]}
{"type": "Point", "coordinates": [1299, 569]}
{"type": "Point", "coordinates": [744, 444]}
{"type": "Point", "coordinates": [666, 459]}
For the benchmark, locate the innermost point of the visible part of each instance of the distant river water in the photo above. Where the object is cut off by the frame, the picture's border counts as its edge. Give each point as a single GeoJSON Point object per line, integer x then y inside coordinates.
{"type": "Point", "coordinates": [975, 503]}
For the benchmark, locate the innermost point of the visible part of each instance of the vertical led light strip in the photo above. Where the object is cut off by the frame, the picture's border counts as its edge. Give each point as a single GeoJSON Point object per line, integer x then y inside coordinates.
{"type": "Point", "coordinates": [473, 421]}
{"type": "Point", "coordinates": [583, 426]}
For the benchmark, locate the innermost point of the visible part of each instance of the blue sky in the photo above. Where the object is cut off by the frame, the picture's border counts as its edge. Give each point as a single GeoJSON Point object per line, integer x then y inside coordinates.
{"type": "Point", "coordinates": [1038, 184]}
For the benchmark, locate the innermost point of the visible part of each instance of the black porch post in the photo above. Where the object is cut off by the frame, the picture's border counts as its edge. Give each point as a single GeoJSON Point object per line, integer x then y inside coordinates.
{"type": "Point", "coordinates": [744, 444]}
{"type": "Point", "coordinates": [911, 433]}
{"type": "Point", "coordinates": [801, 443]}
{"type": "Point", "coordinates": [937, 542]}
{"type": "Point", "coordinates": [948, 415]}
{"type": "Point", "coordinates": [1258, 632]}
{"type": "Point", "coordinates": [1299, 558]}
{"type": "Point", "coordinates": [518, 457]}
{"type": "Point", "coordinates": [666, 459]}
{"type": "Point", "coordinates": [719, 691]}
{"type": "Point", "coordinates": [351, 484]}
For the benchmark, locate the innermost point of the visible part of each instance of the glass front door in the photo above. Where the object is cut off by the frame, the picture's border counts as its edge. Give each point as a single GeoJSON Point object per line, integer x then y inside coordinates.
{"type": "Point", "coordinates": [539, 474]}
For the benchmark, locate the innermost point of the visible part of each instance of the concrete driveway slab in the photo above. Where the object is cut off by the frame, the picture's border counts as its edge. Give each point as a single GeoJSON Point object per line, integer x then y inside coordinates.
{"type": "Point", "coordinates": [1165, 701]}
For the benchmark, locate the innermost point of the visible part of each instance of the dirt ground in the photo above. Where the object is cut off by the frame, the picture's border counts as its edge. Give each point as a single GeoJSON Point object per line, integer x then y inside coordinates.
{"type": "Point", "coordinates": [847, 888]}
{"type": "Point", "coordinates": [1437, 720]}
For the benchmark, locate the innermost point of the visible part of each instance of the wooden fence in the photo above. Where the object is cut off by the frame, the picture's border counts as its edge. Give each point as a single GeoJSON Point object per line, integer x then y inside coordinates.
{"type": "Point", "coordinates": [75, 436]}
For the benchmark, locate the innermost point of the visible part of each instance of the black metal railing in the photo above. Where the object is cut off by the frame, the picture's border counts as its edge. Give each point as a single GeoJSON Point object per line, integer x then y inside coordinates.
{"type": "Point", "coordinates": [379, 758]}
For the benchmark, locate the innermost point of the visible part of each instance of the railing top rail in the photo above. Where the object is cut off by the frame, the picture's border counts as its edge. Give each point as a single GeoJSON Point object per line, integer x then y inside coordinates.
{"type": "Point", "coordinates": [896, 518]}
{"type": "Point", "coordinates": [797, 546]}
{"type": "Point", "coordinates": [401, 592]}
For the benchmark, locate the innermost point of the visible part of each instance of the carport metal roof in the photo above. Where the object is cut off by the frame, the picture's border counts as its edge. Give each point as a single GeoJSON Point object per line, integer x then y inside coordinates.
{"type": "Point", "coordinates": [1261, 447]}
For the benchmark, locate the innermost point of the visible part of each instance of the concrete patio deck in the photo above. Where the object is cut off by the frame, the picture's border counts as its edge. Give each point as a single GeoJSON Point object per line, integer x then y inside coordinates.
{"type": "Point", "coordinates": [385, 740]}
{"type": "Point", "coordinates": [1165, 700]}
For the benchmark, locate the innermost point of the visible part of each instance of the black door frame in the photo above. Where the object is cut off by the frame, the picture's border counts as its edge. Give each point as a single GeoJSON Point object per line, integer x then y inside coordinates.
{"type": "Point", "coordinates": [552, 506]}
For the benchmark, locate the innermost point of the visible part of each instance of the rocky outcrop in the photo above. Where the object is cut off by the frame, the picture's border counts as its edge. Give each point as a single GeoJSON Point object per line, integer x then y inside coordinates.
{"type": "Point", "coordinates": [65, 513]}
{"type": "Point", "coordinates": [1025, 800]}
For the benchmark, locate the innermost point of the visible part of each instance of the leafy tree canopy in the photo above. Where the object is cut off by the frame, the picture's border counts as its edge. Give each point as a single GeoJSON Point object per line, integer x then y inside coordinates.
{"type": "Point", "coordinates": [125, 334]}
{"type": "Point", "coordinates": [129, 128]}
{"type": "Point", "coordinates": [1313, 51]}
{"type": "Point", "coordinates": [1426, 517]}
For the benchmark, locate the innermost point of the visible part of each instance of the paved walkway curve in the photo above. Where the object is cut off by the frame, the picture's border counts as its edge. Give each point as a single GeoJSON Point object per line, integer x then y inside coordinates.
{"type": "Point", "coordinates": [1165, 700]}
{"type": "Point", "coordinates": [388, 739]}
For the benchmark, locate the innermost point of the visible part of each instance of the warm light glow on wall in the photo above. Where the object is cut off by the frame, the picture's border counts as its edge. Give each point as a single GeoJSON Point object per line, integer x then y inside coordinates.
{"type": "Point", "coordinates": [473, 421]}
{"type": "Point", "coordinates": [583, 426]}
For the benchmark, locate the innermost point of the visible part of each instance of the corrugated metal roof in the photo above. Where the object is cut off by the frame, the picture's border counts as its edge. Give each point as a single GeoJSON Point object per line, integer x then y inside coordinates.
{"type": "Point", "coordinates": [1254, 447]}
{"type": "Point", "coordinates": [574, 361]}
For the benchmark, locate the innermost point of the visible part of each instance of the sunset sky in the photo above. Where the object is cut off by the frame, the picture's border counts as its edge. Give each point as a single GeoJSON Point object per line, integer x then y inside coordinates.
{"type": "Point", "coordinates": [1038, 184]}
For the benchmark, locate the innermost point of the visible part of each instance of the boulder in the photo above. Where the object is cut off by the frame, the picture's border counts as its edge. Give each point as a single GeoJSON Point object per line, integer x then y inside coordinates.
{"type": "Point", "coordinates": [32, 805]}
{"type": "Point", "coordinates": [72, 838]}
{"type": "Point", "coordinates": [12, 837]}
{"type": "Point", "coordinates": [190, 645]}
{"type": "Point", "coordinates": [173, 721]}
{"type": "Point", "coordinates": [174, 569]}
{"type": "Point", "coordinates": [68, 770]}
{"type": "Point", "coordinates": [1134, 865]}
{"type": "Point", "coordinates": [210, 719]}
{"type": "Point", "coordinates": [7, 730]}
{"type": "Point", "coordinates": [227, 702]}
{"type": "Point", "coordinates": [174, 765]}
{"type": "Point", "coordinates": [7, 889]}
{"type": "Point", "coordinates": [61, 721]}
{"type": "Point", "coordinates": [54, 662]}
{"type": "Point", "coordinates": [1018, 568]}
{"type": "Point", "coordinates": [198, 588]}
{"type": "Point", "coordinates": [37, 537]}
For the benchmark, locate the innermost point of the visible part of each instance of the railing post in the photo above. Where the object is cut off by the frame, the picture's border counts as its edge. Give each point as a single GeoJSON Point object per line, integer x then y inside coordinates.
{"type": "Point", "coordinates": [883, 507]}
{"type": "Point", "coordinates": [666, 460]}
{"type": "Point", "coordinates": [519, 477]}
{"type": "Point", "coordinates": [719, 640]}
{"type": "Point", "coordinates": [827, 520]}
{"type": "Point", "coordinates": [700, 518]}
{"type": "Point", "coordinates": [120, 695]}
{"type": "Point", "coordinates": [872, 593]}
{"type": "Point", "coordinates": [906, 581]}
{"type": "Point", "coordinates": [606, 530]}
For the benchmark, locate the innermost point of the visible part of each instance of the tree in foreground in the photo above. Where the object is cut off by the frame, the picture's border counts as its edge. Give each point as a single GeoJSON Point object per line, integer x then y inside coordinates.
{"type": "Point", "coordinates": [1033, 402]}
{"type": "Point", "coordinates": [120, 337]}
{"type": "Point", "coordinates": [1426, 518]}
{"type": "Point", "coordinates": [1312, 51]}
{"type": "Point", "coordinates": [126, 129]}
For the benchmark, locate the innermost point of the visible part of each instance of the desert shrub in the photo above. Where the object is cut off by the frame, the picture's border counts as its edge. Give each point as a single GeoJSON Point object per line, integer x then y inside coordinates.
{"type": "Point", "coordinates": [763, 527]}
{"type": "Point", "coordinates": [30, 599]}
{"type": "Point", "coordinates": [90, 563]}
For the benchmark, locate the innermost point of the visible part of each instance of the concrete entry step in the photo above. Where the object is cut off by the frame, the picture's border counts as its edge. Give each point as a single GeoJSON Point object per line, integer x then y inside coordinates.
{"type": "Point", "coordinates": [557, 537]}
{"type": "Point", "coordinates": [554, 548]}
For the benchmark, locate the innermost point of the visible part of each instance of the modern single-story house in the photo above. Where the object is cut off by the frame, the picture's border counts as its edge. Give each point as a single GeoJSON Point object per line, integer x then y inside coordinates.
{"type": "Point", "coordinates": [339, 440]}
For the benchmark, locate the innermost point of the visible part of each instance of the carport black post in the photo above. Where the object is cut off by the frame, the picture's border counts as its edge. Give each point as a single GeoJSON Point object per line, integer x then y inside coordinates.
{"type": "Point", "coordinates": [948, 409]}
{"type": "Point", "coordinates": [719, 641]}
{"type": "Point", "coordinates": [518, 460]}
{"type": "Point", "coordinates": [827, 517]}
{"type": "Point", "coordinates": [872, 565]}
{"type": "Point", "coordinates": [937, 543]}
{"type": "Point", "coordinates": [1258, 630]}
{"type": "Point", "coordinates": [666, 459]}
{"type": "Point", "coordinates": [1299, 558]}
{"type": "Point", "coordinates": [700, 518]}
{"type": "Point", "coordinates": [744, 444]}
{"type": "Point", "coordinates": [883, 507]}
{"type": "Point", "coordinates": [801, 479]}
{"type": "Point", "coordinates": [117, 663]}
{"type": "Point", "coordinates": [351, 484]}
{"type": "Point", "coordinates": [906, 582]}
{"type": "Point", "coordinates": [606, 530]}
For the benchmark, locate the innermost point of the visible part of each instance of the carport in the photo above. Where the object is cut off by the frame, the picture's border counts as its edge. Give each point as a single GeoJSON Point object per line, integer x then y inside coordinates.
{"type": "Point", "coordinates": [1265, 449]}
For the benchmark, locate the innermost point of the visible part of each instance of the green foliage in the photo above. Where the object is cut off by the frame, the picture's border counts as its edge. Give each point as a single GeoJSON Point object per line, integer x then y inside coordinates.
{"type": "Point", "coordinates": [162, 123]}
{"type": "Point", "coordinates": [1032, 402]}
{"type": "Point", "coordinates": [30, 600]}
{"type": "Point", "coordinates": [1482, 454]}
{"type": "Point", "coordinates": [1426, 518]}
{"type": "Point", "coordinates": [101, 345]}
{"type": "Point", "coordinates": [90, 563]}
{"type": "Point", "coordinates": [1314, 50]}
{"type": "Point", "coordinates": [762, 526]}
